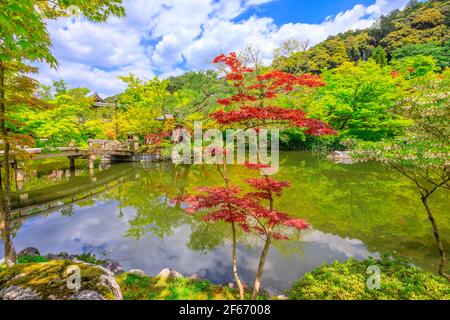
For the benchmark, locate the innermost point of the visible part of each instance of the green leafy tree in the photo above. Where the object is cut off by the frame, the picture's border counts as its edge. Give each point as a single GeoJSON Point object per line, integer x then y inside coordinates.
{"type": "Point", "coordinates": [147, 107]}
{"type": "Point", "coordinates": [358, 100]}
{"type": "Point", "coordinates": [441, 53]}
{"type": "Point", "coordinates": [24, 37]}
{"type": "Point", "coordinates": [200, 91]}
{"type": "Point", "coordinates": [422, 154]}
{"type": "Point", "coordinates": [292, 56]}
{"type": "Point", "coordinates": [65, 120]}
{"type": "Point", "coordinates": [379, 55]}
{"type": "Point", "coordinates": [60, 87]}
{"type": "Point", "coordinates": [328, 55]}
{"type": "Point", "coordinates": [415, 66]}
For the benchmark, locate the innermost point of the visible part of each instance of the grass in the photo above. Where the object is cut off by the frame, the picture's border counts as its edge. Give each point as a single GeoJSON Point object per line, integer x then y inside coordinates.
{"type": "Point", "coordinates": [135, 287]}
{"type": "Point", "coordinates": [31, 259]}
{"type": "Point", "coordinates": [347, 281]}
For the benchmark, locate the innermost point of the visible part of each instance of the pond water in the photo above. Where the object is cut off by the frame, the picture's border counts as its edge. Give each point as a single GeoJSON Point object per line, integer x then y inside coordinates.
{"type": "Point", "coordinates": [124, 213]}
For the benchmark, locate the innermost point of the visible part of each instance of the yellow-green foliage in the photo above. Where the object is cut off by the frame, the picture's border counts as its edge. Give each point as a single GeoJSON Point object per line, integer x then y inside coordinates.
{"type": "Point", "coordinates": [347, 281]}
{"type": "Point", "coordinates": [136, 287]}
{"type": "Point", "coordinates": [48, 279]}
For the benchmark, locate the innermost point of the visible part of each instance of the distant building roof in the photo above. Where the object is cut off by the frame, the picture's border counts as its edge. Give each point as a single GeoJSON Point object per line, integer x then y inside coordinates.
{"type": "Point", "coordinates": [100, 102]}
{"type": "Point", "coordinates": [97, 98]}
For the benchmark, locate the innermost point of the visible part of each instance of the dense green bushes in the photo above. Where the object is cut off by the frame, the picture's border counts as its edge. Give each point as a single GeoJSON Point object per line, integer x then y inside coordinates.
{"type": "Point", "coordinates": [347, 281]}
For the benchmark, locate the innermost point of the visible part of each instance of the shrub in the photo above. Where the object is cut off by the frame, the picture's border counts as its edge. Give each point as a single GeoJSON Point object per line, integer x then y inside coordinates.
{"type": "Point", "coordinates": [347, 281]}
{"type": "Point", "coordinates": [31, 259]}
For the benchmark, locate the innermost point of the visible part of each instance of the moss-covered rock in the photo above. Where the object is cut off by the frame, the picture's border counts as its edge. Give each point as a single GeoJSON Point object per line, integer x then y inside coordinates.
{"type": "Point", "coordinates": [347, 281]}
{"type": "Point", "coordinates": [48, 280]}
{"type": "Point", "coordinates": [138, 287]}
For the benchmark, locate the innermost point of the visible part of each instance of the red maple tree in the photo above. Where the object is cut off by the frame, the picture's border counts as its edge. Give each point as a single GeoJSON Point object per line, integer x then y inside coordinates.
{"type": "Point", "coordinates": [247, 210]}
{"type": "Point", "coordinates": [251, 105]}
{"type": "Point", "coordinates": [254, 211]}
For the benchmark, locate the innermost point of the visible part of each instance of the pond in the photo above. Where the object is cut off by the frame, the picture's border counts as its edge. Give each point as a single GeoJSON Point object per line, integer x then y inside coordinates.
{"type": "Point", "coordinates": [124, 212]}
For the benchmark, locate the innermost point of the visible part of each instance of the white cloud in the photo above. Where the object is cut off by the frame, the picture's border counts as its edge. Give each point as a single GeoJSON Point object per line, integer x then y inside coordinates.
{"type": "Point", "coordinates": [167, 37]}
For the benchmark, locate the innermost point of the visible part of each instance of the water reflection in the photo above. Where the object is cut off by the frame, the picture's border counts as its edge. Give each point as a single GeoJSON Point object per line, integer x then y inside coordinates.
{"type": "Point", "coordinates": [99, 229]}
{"type": "Point", "coordinates": [124, 213]}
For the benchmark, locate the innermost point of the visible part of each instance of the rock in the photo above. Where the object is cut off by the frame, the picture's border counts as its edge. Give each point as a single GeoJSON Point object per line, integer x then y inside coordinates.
{"type": "Point", "coordinates": [20, 282]}
{"type": "Point", "coordinates": [282, 297]}
{"type": "Point", "coordinates": [87, 295]}
{"type": "Point", "coordinates": [196, 277]}
{"type": "Point", "coordinates": [113, 266]}
{"type": "Point", "coordinates": [342, 157]}
{"type": "Point", "coordinates": [18, 293]}
{"type": "Point", "coordinates": [169, 273]}
{"type": "Point", "coordinates": [29, 252]}
{"type": "Point", "coordinates": [108, 280]}
{"type": "Point", "coordinates": [137, 272]}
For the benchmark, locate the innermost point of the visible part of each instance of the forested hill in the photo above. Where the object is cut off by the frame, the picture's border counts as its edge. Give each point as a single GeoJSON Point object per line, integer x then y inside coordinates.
{"type": "Point", "coordinates": [420, 28]}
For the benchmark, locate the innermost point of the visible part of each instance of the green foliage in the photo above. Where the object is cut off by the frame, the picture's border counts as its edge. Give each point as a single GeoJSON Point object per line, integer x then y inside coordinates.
{"type": "Point", "coordinates": [415, 66]}
{"type": "Point", "coordinates": [23, 31]}
{"type": "Point", "coordinates": [327, 55]}
{"type": "Point", "coordinates": [90, 258]}
{"type": "Point", "coordinates": [347, 281]}
{"type": "Point", "coordinates": [358, 100]}
{"type": "Point", "coordinates": [23, 34]}
{"type": "Point", "coordinates": [199, 90]}
{"type": "Point", "coordinates": [295, 139]}
{"type": "Point", "coordinates": [68, 118]}
{"type": "Point", "coordinates": [60, 87]}
{"type": "Point", "coordinates": [379, 55]}
{"type": "Point", "coordinates": [418, 23]}
{"type": "Point", "coordinates": [424, 146]}
{"type": "Point", "coordinates": [441, 53]}
{"type": "Point", "coordinates": [31, 259]}
{"type": "Point", "coordinates": [145, 106]}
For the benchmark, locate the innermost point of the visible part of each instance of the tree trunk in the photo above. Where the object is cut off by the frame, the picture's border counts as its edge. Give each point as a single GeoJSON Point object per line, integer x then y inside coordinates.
{"type": "Point", "coordinates": [3, 133]}
{"type": "Point", "coordinates": [10, 256]}
{"type": "Point", "coordinates": [234, 261]}
{"type": "Point", "coordinates": [10, 252]}
{"type": "Point", "coordinates": [437, 237]}
{"type": "Point", "coordinates": [262, 261]}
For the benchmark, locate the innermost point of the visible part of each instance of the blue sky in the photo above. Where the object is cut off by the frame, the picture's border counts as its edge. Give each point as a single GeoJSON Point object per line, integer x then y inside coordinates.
{"type": "Point", "coordinates": [305, 11]}
{"type": "Point", "coordinates": [169, 37]}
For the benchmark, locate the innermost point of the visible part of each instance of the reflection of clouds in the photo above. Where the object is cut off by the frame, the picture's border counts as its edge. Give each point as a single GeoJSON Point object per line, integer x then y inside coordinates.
{"type": "Point", "coordinates": [350, 247]}
{"type": "Point", "coordinates": [99, 228]}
